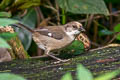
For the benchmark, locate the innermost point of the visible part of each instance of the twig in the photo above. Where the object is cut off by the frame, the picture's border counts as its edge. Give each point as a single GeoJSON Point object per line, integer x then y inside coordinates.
{"type": "Point", "coordinates": [113, 38]}
{"type": "Point", "coordinates": [50, 7]}
{"type": "Point", "coordinates": [54, 9]}
{"type": "Point", "coordinates": [95, 44]}
{"type": "Point", "coordinates": [38, 10]}
{"type": "Point", "coordinates": [95, 30]}
{"type": "Point", "coordinates": [102, 47]}
{"type": "Point", "coordinates": [58, 15]}
{"type": "Point", "coordinates": [111, 18]}
{"type": "Point", "coordinates": [90, 21]}
{"type": "Point", "coordinates": [24, 13]}
{"type": "Point", "coordinates": [49, 3]}
{"type": "Point", "coordinates": [44, 22]}
{"type": "Point", "coordinates": [39, 15]}
{"type": "Point", "coordinates": [52, 23]}
{"type": "Point", "coordinates": [97, 17]}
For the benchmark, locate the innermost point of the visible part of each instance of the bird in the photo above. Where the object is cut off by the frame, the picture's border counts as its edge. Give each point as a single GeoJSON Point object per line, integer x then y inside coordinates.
{"type": "Point", "coordinates": [54, 38]}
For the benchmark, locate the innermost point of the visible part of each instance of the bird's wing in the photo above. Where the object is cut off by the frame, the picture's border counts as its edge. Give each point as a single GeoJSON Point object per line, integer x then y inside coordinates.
{"type": "Point", "coordinates": [56, 33]}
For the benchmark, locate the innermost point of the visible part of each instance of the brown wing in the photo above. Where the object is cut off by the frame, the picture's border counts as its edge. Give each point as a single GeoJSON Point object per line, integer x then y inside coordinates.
{"type": "Point", "coordinates": [52, 31]}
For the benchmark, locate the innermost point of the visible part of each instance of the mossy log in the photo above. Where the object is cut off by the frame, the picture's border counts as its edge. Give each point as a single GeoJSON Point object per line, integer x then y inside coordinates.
{"type": "Point", "coordinates": [97, 61]}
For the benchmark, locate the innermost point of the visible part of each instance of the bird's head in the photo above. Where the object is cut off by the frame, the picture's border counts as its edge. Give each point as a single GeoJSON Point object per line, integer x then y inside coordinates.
{"type": "Point", "coordinates": [74, 28]}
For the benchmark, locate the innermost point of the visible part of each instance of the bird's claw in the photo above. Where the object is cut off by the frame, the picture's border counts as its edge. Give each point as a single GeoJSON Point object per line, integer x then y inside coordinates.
{"type": "Point", "coordinates": [61, 61]}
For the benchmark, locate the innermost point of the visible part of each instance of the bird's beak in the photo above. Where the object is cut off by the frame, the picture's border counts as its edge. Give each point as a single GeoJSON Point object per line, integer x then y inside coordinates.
{"type": "Point", "coordinates": [82, 29]}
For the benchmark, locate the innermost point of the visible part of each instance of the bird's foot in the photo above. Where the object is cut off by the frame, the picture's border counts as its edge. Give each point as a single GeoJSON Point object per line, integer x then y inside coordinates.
{"type": "Point", "coordinates": [56, 58]}
{"type": "Point", "coordinates": [59, 61]}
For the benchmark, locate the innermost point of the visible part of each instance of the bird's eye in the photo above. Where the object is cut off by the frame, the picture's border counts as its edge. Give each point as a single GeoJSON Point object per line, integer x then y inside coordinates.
{"type": "Point", "coordinates": [74, 26]}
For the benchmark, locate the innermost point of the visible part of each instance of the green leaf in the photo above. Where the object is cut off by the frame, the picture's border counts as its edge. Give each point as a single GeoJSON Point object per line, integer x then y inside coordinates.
{"type": "Point", "coordinates": [7, 21]}
{"type": "Point", "coordinates": [83, 73]}
{"type": "Point", "coordinates": [30, 19]}
{"type": "Point", "coordinates": [5, 14]}
{"type": "Point", "coordinates": [8, 76]}
{"type": "Point", "coordinates": [67, 76]}
{"type": "Point", "coordinates": [105, 32]}
{"type": "Point", "coordinates": [5, 3]}
{"type": "Point", "coordinates": [108, 76]}
{"type": "Point", "coordinates": [7, 36]}
{"type": "Point", "coordinates": [63, 17]}
{"type": "Point", "coordinates": [3, 43]}
{"type": "Point", "coordinates": [25, 4]}
{"type": "Point", "coordinates": [77, 47]}
{"type": "Point", "coordinates": [29, 4]}
{"type": "Point", "coordinates": [84, 6]}
{"type": "Point", "coordinates": [117, 29]}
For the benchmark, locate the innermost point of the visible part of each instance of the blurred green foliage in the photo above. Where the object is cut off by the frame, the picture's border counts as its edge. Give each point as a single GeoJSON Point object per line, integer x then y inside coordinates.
{"type": "Point", "coordinates": [7, 35]}
{"type": "Point", "coordinates": [9, 76]}
{"type": "Point", "coordinates": [18, 4]}
{"type": "Point", "coordinates": [3, 43]}
{"type": "Point", "coordinates": [104, 32]}
{"type": "Point", "coordinates": [108, 76]}
{"type": "Point", "coordinates": [7, 21]}
{"type": "Point", "coordinates": [84, 7]}
{"type": "Point", "coordinates": [5, 3]}
{"type": "Point", "coordinates": [85, 74]}
{"type": "Point", "coordinates": [5, 14]}
{"type": "Point", "coordinates": [67, 76]}
{"type": "Point", "coordinates": [117, 29]}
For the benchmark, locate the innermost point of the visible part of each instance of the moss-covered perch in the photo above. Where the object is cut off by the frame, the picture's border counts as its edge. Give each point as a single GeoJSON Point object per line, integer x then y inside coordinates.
{"type": "Point", "coordinates": [98, 61]}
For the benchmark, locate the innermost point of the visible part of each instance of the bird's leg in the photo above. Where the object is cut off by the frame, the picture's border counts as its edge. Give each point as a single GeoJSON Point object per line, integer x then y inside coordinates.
{"type": "Point", "coordinates": [59, 60]}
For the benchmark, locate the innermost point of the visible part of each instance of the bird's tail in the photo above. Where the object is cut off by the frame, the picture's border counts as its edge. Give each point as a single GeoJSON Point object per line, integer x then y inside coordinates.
{"type": "Point", "coordinates": [20, 25]}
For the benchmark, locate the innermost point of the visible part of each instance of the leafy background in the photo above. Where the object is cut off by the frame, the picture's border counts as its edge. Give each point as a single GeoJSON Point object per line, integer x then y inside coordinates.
{"type": "Point", "coordinates": [100, 18]}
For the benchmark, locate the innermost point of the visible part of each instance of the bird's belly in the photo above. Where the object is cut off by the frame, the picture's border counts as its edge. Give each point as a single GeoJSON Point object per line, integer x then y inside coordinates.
{"type": "Point", "coordinates": [45, 42]}
{"type": "Point", "coordinates": [60, 45]}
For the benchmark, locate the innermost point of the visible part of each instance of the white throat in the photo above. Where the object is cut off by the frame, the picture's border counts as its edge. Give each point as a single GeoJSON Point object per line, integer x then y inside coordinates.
{"type": "Point", "coordinates": [72, 34]}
